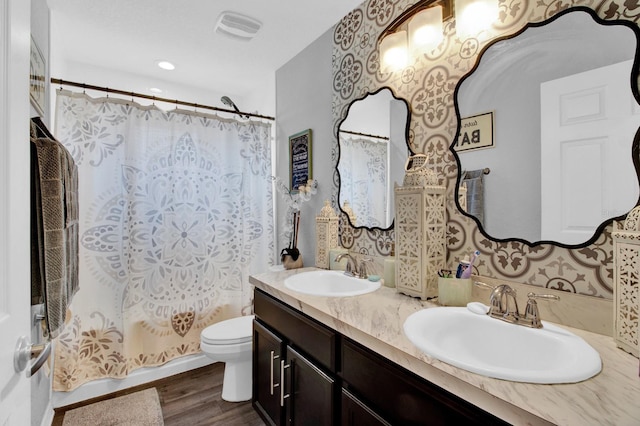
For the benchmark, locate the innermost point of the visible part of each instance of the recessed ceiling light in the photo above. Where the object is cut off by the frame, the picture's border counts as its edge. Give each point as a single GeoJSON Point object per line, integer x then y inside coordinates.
{"type": "Point", "coordinates": [155, 90]}
{"type": "Point", "coordinates": [166, 65]}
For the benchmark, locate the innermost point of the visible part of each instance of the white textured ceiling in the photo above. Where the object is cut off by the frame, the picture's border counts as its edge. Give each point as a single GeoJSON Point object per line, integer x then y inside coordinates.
{"type": "Point", "coordinates": [131, 35]}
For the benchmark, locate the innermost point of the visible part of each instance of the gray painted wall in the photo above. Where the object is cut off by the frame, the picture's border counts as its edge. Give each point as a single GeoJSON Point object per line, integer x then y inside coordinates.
{"type": "Point", "coordinates": [303, 101]}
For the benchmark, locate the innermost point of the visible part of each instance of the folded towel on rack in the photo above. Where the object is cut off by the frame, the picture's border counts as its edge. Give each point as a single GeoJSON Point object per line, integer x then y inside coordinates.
{"type": "Point", "coordinates": [475, 193]}
{"type": "Point", "coordinates": [54, 234]}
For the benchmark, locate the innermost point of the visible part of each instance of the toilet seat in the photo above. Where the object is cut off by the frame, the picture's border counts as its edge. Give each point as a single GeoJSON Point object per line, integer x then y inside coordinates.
{"type": "Point", "coordinates": [229, 332]}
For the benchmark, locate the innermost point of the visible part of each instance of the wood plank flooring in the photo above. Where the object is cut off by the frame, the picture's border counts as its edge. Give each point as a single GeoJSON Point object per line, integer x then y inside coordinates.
{"type": "Point", "coordinates": [192, 398]}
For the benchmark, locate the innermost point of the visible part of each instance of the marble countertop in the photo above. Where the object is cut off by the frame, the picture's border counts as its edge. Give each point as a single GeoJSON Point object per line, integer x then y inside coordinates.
{"type": "Point", "coordinates": [375, 320]}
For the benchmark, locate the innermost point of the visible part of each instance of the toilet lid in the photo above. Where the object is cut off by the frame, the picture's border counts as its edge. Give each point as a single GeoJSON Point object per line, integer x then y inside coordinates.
{"type": "Point", "coordinates": [228, 332]}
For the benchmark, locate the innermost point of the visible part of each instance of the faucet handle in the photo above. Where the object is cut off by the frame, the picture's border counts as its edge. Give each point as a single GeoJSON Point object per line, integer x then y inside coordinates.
{"type": "Point", "coordinates": [363, 270]}
{"type": "Point", "coordinates": [531, 312]}
{"type": "Point", "coordinates": [484, 285]}
{"type": "Point", "coordinates": [531, 296]}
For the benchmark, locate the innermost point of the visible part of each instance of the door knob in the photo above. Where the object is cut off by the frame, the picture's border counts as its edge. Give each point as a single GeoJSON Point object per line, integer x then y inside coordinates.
{"type": "Point", "coordinates": [26, 351]}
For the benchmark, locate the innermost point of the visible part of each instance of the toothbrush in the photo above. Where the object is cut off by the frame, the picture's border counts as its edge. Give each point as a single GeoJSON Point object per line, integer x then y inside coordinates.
{"type": "Point", "coordinates": [467, 272]}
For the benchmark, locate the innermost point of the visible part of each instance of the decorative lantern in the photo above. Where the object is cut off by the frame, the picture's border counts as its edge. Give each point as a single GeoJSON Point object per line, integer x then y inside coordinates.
{"type": "Point", "coordinates": [326, 234]}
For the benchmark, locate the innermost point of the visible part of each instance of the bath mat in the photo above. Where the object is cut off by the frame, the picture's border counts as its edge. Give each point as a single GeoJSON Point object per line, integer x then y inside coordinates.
{"type": "Point", "coordinates": [135, 409]}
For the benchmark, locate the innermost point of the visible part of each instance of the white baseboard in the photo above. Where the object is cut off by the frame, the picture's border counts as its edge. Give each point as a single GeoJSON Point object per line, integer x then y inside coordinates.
{"type": "Point", "coordinates": [140, 376]}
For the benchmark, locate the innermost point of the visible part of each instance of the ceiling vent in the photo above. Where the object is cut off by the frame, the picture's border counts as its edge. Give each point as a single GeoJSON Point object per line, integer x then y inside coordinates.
{"type": "Point", "coordinates": [237, 26]}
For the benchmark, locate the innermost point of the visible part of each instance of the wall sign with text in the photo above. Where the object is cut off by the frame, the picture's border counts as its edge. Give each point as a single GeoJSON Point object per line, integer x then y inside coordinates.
{"type": "Point", "coordinates": [300, 159]}
{"type": "Point", "coordinates": [475, 132]}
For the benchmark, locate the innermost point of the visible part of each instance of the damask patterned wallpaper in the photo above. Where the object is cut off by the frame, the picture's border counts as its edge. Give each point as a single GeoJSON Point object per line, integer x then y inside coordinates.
{"type": "Point", "coordinates": [428, 85]}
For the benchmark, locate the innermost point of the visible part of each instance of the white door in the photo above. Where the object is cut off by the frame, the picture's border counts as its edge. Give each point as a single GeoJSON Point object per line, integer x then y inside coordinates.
{"type": "Point", "coordinates": [15, 287]}
{"type": "Point", "coordinates": [588, 121]}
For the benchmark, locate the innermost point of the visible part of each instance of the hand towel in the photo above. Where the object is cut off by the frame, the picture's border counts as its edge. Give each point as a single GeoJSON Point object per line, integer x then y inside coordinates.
{"type": "Point", "coordinates": [54, 234]}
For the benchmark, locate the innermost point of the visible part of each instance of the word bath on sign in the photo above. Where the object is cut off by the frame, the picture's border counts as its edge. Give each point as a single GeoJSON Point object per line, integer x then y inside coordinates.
{"type": "Point", "coordinates": [475, 132]}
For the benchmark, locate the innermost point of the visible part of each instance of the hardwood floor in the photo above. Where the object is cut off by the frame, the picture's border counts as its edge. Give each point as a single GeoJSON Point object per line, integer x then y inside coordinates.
{"type": "Point", "coordinates": [190, 399]}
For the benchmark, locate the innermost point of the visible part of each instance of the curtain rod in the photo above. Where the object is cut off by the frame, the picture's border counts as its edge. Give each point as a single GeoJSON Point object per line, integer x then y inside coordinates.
{"type": "Point", "coordinates": [155, 98]}
{"type": "Point", "coordinates": [363, 134]}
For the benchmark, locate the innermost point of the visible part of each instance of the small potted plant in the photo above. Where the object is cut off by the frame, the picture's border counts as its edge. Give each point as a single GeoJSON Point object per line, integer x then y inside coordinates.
{"type": "Point", "coordinates": [290, 256]}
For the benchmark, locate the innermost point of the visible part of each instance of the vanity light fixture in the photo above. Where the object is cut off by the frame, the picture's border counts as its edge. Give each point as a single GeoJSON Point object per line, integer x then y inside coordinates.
{"type": "Point", "coordinates": [393, 52]}
{"type": "Point", "coordinates": [419, 29]}
{"type": "Point", "coordinates": [416, 31]}
{"type": "Point", "coordinates": [473, 16]}
{"type": "Point", "coordinates": [425, 30]}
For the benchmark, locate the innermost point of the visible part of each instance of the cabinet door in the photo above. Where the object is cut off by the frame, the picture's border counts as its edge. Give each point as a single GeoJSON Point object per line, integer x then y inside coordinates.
{"type": "Point", "coordinates": [356, 413]}
{"type": "Point", "coordinates": [310, 392]}
{"type": "Point", "coordinates": [268, 352]}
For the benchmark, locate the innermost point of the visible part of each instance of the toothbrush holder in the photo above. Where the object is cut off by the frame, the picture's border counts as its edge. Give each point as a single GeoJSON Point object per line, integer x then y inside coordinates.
{"type": "Point", "coordinates": [454, 291]}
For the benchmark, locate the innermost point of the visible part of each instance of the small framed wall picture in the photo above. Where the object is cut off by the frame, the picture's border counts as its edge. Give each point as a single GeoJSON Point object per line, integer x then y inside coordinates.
{"type": "Point", "coordinates": [37, 75]}
{"type": "Point", "coordinates": [300, 159]}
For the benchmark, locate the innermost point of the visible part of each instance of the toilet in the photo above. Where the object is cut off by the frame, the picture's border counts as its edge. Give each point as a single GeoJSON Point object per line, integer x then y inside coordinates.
{"type": "Point", "coordinates": [230, 341]}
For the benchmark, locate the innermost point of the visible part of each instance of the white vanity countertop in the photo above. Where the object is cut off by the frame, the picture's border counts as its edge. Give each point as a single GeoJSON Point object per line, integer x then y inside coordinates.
{"type": "Point", "coordinates": [376, 319]}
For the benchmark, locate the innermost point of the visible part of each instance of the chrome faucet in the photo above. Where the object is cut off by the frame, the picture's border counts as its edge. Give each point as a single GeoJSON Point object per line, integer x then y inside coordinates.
{"type": "Point", "coordinates": [503, 303]}
{"type": "Point", "coordinates": [351, 263]}
{"type": "Point", "coordinates": [504, 306]}
{"type": "Point", "coordinates": [352, 269]}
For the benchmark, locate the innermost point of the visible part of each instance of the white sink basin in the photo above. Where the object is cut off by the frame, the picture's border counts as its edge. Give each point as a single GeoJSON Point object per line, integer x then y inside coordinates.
{"type": "Point", "coordinates": [329, 284]}
{"type": "Point", "coordinates": [494, 348]}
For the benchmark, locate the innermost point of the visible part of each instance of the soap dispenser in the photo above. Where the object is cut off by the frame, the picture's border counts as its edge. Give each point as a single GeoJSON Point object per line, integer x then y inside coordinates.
{"type": "Point", "coordinates": [389, 274]}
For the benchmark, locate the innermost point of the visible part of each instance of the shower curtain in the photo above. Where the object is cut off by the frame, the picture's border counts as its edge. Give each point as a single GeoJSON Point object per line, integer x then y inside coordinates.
{"type": "Point", "coordinates": [363, 178]}
{"type": "Point", "coordinates": [175, 214]}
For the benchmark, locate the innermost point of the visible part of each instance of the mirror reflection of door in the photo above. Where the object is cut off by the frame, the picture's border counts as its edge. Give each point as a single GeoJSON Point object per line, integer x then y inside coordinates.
{"type": "Point", "coordinates": [507, 81]}
{"type": "Point", "coordinates": [373, 149]}
{"type": "Point", "coordinates": [586, 122]}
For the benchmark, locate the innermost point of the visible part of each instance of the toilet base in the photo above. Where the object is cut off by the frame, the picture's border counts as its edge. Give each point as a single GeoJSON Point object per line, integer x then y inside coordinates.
{"type": "Point", "coordinates": [236, 386]}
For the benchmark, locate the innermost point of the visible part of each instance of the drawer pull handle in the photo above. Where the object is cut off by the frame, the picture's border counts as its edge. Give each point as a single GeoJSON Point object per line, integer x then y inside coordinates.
{"type": "Point", "coordinates": [282, 395]}
{"type": "Point", "coordinates": [273, 358]}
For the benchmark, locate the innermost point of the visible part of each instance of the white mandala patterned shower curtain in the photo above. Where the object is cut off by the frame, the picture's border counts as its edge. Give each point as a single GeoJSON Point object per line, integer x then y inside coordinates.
{"type": "Point", "coordinates": [363, 178]}
{"type": "Point", "coordinates": [175, 214]}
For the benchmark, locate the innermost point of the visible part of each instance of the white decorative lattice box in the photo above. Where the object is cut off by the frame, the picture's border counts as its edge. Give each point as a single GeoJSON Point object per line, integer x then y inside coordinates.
{"type": "Point", "coordinates": [420, 227]}
{"type": "Point", "coordinates": [327, 238]}
{"type": "Point", "coordinates": [626, 284]}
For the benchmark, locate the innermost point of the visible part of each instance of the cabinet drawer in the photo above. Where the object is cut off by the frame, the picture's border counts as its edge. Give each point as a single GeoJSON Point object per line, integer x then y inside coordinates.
{"type": "Point", "coordinates": [402, 397]}
{"type": "Point", "coordinates": [303, 333]}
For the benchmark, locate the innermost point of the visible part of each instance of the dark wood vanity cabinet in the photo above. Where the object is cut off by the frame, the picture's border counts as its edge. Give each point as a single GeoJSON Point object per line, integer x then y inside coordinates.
{"type": "Point", "coordinates": [293, 366]}
{"type": "Point", "coordinates": [401, 397]}
{"type": "Point", "coordinates": [332, 380]}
